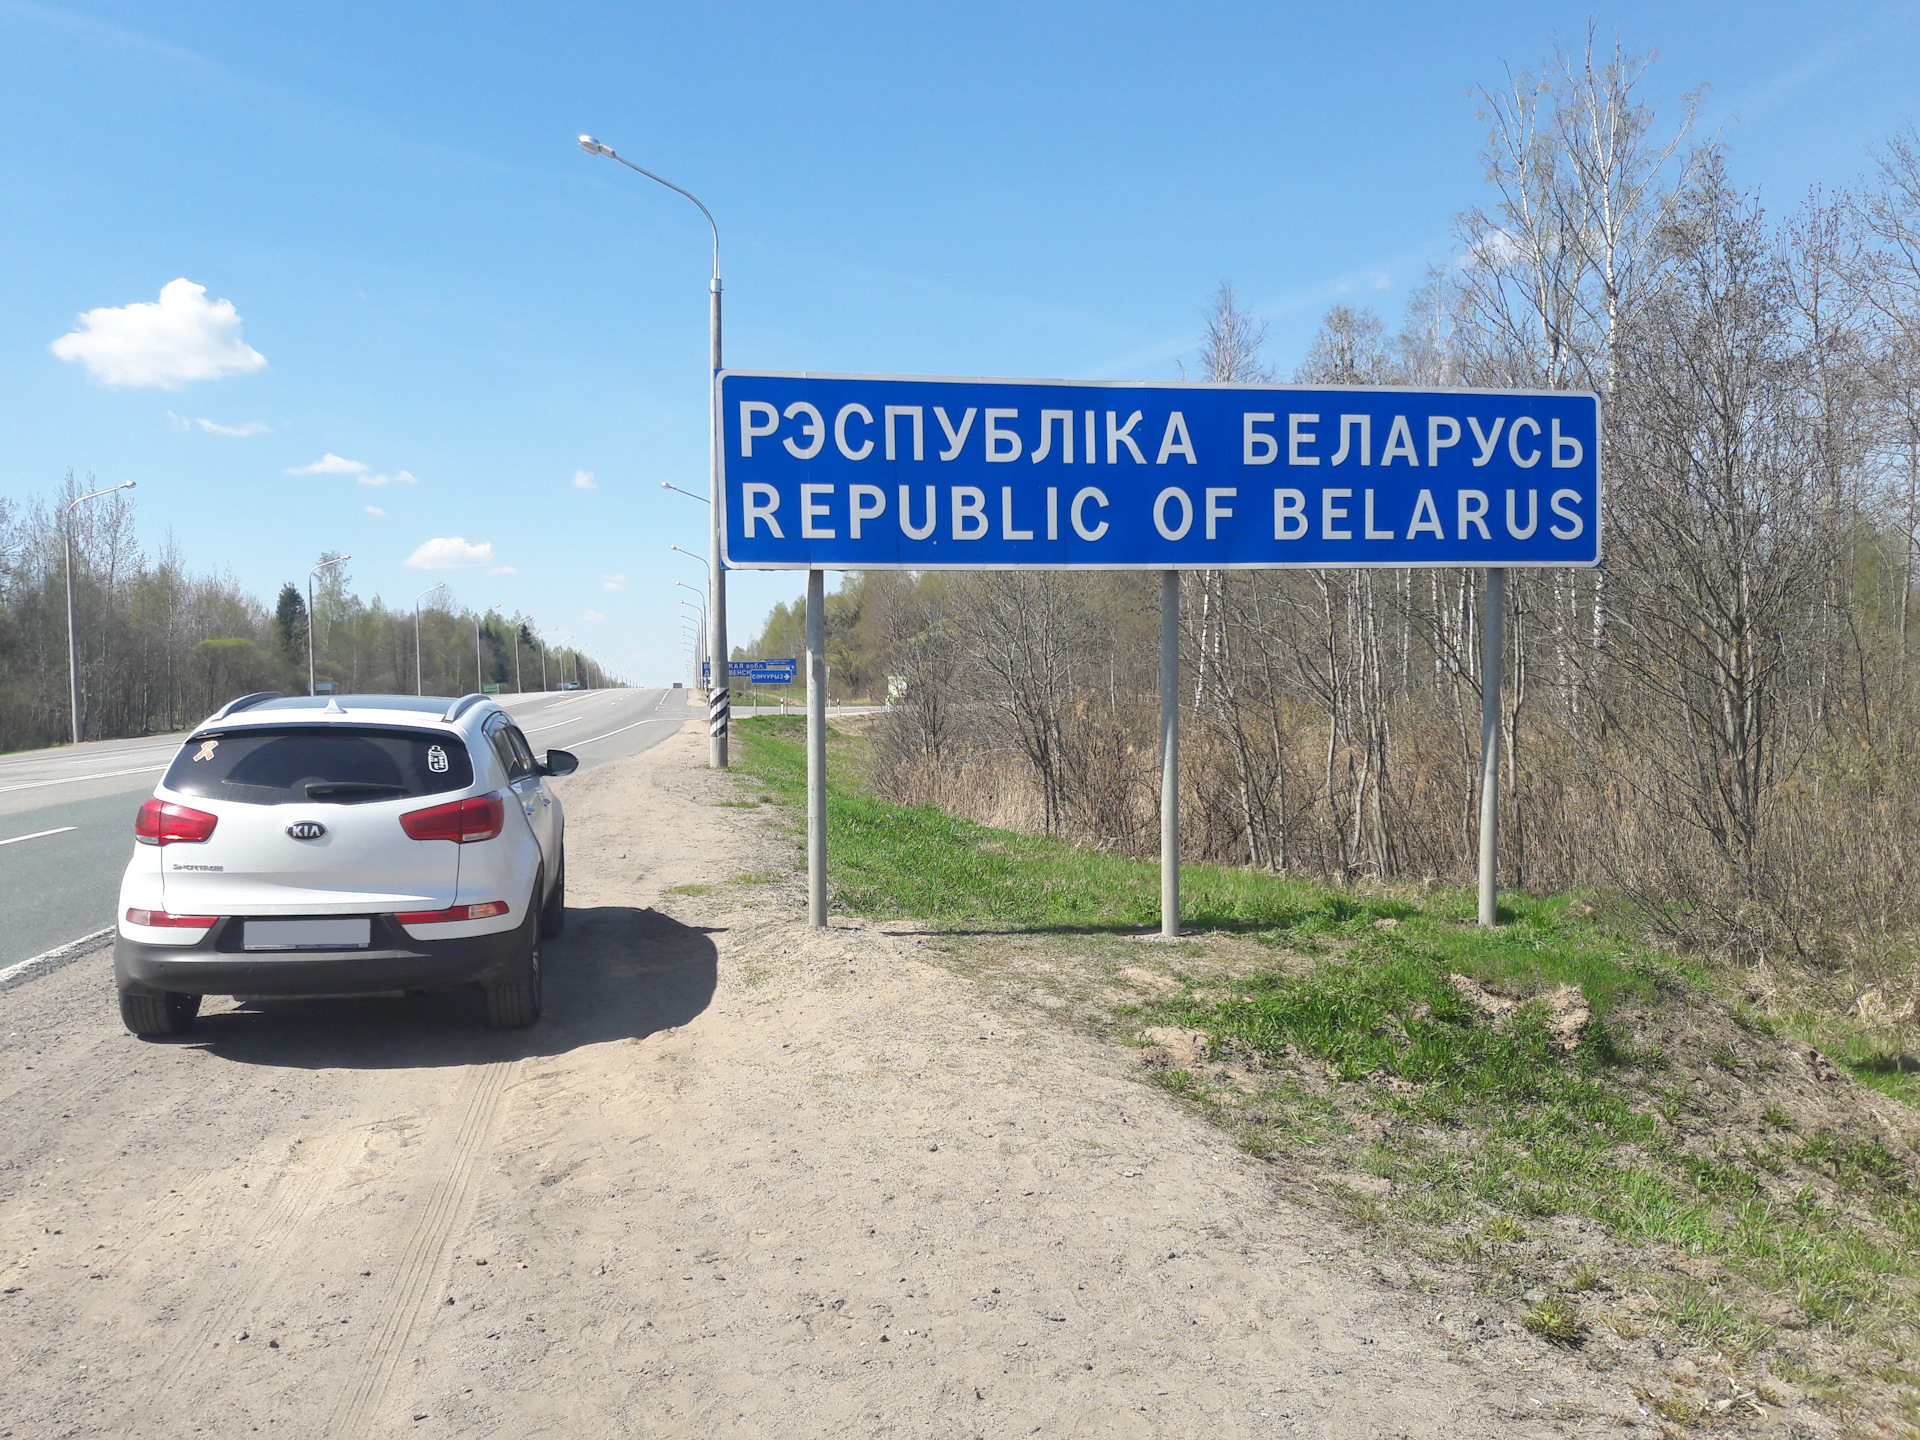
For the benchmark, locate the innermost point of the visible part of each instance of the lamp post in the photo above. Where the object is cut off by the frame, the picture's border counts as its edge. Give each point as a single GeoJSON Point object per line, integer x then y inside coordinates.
{"type": "Point", "coordinates": [73, 652]}
{"type": "Point", "coordinates": [717, 698]}
{"type": "Point", "coordinates": [323, 565]}
{"type": "Point", "coordinates": [419, 682]}
{"type": "Point", "coordinates": [706, 633]}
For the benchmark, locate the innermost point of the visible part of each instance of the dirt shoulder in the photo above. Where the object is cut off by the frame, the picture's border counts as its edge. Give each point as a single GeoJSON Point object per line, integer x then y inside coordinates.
{"type": "Point", "coordinates": [745, 1179]}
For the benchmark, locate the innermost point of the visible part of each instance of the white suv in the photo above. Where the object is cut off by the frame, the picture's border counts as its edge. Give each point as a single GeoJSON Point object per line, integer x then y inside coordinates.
{"type": "Point", "coordinates": [365, 845]}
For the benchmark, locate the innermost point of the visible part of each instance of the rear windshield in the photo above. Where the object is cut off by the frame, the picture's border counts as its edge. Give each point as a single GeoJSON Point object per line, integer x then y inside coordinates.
{"type": "Point", "coordinates": [337, 765]}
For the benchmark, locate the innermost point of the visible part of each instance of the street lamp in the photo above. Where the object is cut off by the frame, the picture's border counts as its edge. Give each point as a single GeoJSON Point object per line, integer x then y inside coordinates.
{"type": "Point", "coordinates": [419, 684]}
{"type": "Point", "coordinates": [706, 631]}
{"type": "Point", "coordinates": [324, 564]}
{"type": "Point", "coordinates": [688, 493]}
{"type": "Point", "coordinates": [717, 698]}
{"type": "Point", "coordinates": [690, 555]}
{"type": "Point", "coordinates": [73, 653]}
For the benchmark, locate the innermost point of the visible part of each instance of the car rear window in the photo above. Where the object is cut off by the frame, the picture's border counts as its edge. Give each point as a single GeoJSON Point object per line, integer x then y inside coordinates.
{"type": "Point", "coordinates": [337, 765]}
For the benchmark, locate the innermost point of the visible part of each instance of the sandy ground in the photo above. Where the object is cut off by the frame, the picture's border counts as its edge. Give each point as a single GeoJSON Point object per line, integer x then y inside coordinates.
{"type": "Point", "coordinates": [745, 1179]}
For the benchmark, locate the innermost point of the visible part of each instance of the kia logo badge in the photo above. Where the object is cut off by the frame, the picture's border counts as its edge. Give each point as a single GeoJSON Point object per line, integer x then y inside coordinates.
{"type": "Point", "coordinates": [307, 830]}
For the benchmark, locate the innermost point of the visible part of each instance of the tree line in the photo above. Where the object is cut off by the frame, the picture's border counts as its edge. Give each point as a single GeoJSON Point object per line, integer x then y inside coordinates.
{"type": "Point", "coordinates": [159, 647]}
{"type": "Point", "coordinates": [1719, 723]}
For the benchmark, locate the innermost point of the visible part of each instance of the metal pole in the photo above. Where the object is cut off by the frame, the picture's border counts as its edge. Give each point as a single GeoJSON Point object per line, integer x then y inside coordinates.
{"type": "Point", "coordinates": [73, 661]}
{"type": "Point", "coordinates": [1491, 646]}
{"type": "Point", "coordinates": [816, 748]}
{"type": "Point", "coordinates": [309, 632]}
{"type": "Point", "coordinates": [479, 676]}
{"type": "Point", "coordinates": [516, 661]}
{"type": "Point", "coordinates": [717, 583]}
{"type": "Point", "coordinates": [717, 698]}
{"type": "Point", "coordinates": [1169, 753]}
{"type": "Point", "coordinates": [73, 650]}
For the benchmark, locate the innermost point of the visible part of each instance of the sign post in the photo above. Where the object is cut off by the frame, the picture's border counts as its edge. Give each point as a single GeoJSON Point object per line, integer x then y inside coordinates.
{"type": "Point", "coordinates": [816, 748]}
{"type": "Point", "coordinates": [1492, 644]}
{"type": "Point", "coordinates": [1169, 754]}
{"type": "Point", "coordinates": [875, 472]}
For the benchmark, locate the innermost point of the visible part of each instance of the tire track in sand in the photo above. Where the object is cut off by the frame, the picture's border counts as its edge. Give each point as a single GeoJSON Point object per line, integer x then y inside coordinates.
{"type": "Point", "coordinates": [290, 1203]}
{"type": "Point", "coordinates": [431, 1229]}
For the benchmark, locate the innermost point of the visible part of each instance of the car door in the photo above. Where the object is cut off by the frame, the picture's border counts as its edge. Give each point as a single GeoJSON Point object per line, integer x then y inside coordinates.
{"type": "Point", "coordinates": [529, 788]}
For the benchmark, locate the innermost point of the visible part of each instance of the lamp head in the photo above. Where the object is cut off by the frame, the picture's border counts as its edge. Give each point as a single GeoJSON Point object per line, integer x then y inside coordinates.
{"type": "Point", "coordinates": [130, 485]}
{"type": "Point", "coordinates": [594, 147]}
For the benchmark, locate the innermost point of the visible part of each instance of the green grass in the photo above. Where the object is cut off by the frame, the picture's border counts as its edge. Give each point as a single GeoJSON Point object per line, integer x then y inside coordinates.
{"type": "Point", "coordinates": [1482, 1127]}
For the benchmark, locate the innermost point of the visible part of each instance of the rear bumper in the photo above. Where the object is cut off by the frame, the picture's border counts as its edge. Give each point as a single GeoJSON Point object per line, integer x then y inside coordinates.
{"type": "Point", "coordinates": [394, 962]}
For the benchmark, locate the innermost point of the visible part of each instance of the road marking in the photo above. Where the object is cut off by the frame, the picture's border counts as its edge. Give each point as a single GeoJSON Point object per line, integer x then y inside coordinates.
{"type": "Point", "coordinates": [621, 731]}
{"type": "Point", "coordinates": [74, 779]}
{"type": "Point", "coordinates": [38, 834]}
{"type": "Point", "coordinates": [32, 969]}
{"type": "Point", "coordinates": [536, 729]}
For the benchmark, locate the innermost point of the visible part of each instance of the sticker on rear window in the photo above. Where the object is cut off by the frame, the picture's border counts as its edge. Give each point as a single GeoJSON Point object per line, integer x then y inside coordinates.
{"type": "Point", "coordinates": [207, 747]}
{"type": "Point", "coordinates": [437, 760]}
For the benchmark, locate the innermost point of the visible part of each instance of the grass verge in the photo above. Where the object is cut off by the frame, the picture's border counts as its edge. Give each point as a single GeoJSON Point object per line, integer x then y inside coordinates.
{"type": "Point", "coordinates": [1584, 1124]}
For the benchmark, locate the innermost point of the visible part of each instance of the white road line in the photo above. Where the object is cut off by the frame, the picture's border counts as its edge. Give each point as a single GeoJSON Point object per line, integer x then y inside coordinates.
{"type": "Point", "coordinates": [32, 969]}
{"type": "Point", "coordinates": [38, 834]}
{"type": "Point", "coordinates": [624, 728]}
{"type": "Point", "coordinates": [75, 779]}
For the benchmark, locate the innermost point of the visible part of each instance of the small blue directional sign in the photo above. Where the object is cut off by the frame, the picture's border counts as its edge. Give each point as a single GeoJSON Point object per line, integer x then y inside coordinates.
{"type": "Point", "coordinates": [875, 472]}
{"type": "Point", "coordinates": [757, 672]}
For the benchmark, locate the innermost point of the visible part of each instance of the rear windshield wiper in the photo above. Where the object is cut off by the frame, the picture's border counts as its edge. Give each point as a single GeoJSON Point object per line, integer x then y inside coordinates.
{"type": "Point", "coordinates": [320, 789]}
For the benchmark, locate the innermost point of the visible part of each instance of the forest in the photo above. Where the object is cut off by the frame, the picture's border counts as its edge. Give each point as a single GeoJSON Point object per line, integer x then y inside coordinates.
{"type": "Point", "coordinates": [1716, 727]}
{"type": "Point", "coordinates": [158, 647]}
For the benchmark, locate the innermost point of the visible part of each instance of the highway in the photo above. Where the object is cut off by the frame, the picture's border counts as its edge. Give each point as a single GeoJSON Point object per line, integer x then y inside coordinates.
{"type": "Point", "coordinates": [66, 814]}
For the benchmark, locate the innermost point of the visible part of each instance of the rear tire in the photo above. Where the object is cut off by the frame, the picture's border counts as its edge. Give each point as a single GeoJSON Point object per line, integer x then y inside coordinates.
{"type": "Point", "coordinates": [515, 1004]}
{"type": "Point", "coordinates": [150, 1013]}
{"type": "Point", "coordinates": [553, 915]}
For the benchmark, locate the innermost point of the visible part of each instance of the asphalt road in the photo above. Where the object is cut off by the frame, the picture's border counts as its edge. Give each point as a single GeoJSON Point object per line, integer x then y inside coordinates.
{"type": "Point", "coordinates": [66, 815]}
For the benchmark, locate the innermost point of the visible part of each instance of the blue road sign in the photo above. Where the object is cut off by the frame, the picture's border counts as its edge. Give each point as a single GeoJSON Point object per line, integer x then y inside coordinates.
{"type": "Point", "coordinates": [875, 472]}
{"type": "Point", "coordinates": [757, 672]}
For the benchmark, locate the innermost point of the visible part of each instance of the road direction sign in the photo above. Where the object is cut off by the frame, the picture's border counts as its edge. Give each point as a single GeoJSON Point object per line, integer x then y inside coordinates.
{"type": "Point", "coordinates": [876, 472]}
{"type": "Point", "coordinates": [757, 672]}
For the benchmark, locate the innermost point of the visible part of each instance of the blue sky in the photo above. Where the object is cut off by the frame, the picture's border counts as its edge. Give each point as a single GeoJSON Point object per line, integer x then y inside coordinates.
{"type": "Point", "coordinates": [440, 283]}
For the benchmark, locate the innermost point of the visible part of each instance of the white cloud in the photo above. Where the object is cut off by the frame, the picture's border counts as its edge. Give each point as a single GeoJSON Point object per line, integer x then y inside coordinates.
{"type": "Point", "coordinates": [373, 479]}
{"type": "Point", "coordinates": [183, 337]}
{"type": "Point", "coordinates": [404, 477]}
{"type": "Point", "coordinates": [614, 582]}
{"type": "Point", "coordinates": [376, 510]}
{"type": "Point", "coordinates": [250, 427]}
{"type": "Point", "coordinates": [593, 615]}
{"type": "Point", "coordinates": [1383, 282]}
{"type": "Point", "coordinates": [450, 552]}
{"type": "Point", "coordinates": [503, 570]}
{"type": "Point", "coordinates": [331, 464]}
{"type": "Point", "coordinates": [1496, 248]}
{"type": "Point", "coordinates": [583, 480]}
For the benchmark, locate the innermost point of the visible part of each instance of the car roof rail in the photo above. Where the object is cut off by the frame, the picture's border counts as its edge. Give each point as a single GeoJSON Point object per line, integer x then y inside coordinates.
{"type": "Point", "coordinates": [245, 702]}
{"type": "Point", "coordinates": [462, 705]}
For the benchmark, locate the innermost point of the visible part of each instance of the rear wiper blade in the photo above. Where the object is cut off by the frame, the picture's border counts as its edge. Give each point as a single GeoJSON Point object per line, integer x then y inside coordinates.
{"type": "Point", "coordinates": [316, 789]}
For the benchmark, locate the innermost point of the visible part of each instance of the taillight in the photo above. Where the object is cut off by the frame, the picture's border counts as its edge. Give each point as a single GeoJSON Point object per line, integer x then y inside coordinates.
{"type": "Point", "coordinates": [161, 822]}
{"type": "Point", "coordinates": [461, 821]}
{"type": "Point", "coordinates": [161, 920]}
{"type": "Point", "coordinates": [486, 910]}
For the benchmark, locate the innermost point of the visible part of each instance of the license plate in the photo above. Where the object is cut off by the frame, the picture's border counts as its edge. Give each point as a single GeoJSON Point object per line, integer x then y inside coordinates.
{"type": "Point", "coordinates": [348, 934]}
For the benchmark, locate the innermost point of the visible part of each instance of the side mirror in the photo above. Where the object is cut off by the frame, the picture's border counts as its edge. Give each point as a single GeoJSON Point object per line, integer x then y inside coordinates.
{"type": "Point", "coordinates": [560, 762]}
